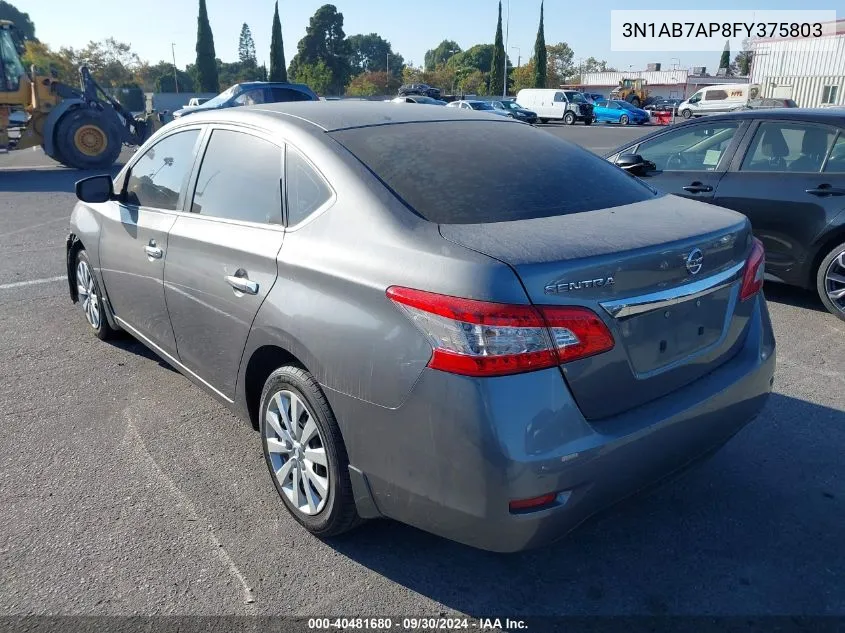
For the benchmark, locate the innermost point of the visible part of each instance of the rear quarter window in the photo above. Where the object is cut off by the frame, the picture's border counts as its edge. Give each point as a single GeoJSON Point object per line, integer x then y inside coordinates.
{"type": "Point", "coordinates": [467, 172]}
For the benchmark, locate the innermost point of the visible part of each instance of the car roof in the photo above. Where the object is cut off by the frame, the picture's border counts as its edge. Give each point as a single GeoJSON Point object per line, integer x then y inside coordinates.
{"type": "Point", "coordinates": [278, 84]}
{"type": "Point", "coordinates": [330, 116]}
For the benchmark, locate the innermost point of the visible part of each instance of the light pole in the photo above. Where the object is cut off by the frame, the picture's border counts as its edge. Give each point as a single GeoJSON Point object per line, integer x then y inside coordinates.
{"type": "Point", "coordinates": [387, 73]}
{"type": "Point", "coordinates": [175, 78]}
{"type": "Point", "coordinates": [518, 56]}
{"type": "Point", "coordinates": [507, 35]}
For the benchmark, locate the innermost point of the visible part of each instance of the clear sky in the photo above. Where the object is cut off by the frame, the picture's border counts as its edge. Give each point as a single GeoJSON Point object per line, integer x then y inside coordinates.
{"type": "Point", "coordinates": [412, 27]}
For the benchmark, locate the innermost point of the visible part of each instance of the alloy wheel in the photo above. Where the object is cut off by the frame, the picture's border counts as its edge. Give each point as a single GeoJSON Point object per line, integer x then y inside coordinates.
{"type": "Point", "coordinates": [297, 453]}
{"type": "Point", "coordinates": [834, 282]}
{"type": "Point", "coordinates": [87, 292]}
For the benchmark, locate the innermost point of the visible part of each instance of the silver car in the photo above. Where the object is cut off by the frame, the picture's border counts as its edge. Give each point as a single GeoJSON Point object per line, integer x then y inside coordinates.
{"type": "Point", "coordinates": [490, 354]}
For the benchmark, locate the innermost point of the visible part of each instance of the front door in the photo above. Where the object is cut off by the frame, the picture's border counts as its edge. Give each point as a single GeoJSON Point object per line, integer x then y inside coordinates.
{"type": "Point", "coordinates": [222, 261]}
{"type": "Point", "coordinates": [133, 243]}
{"type": "Point", "coordinates": [790, 191]}
{"type": "Point", "coordinates": [691, 160]}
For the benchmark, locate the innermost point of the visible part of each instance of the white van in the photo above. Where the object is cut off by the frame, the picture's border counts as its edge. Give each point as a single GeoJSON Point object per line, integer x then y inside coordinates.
{"type": "Point", "coordinates": [715, 99]}
{"type": "Point", "coordinates": [568, 106]}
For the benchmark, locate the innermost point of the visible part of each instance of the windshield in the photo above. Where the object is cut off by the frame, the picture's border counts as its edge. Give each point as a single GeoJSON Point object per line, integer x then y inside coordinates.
{"type": "Point", "coordinates": [480, 105]}
{"type": "Point", "coordinates": [575, 97]}
{"type": "Point", "coordinates": [627, 105]}
{"type": "Point", "coordinates": [222, 98]}
{"type": "Point", "coordinates": [11, 62]}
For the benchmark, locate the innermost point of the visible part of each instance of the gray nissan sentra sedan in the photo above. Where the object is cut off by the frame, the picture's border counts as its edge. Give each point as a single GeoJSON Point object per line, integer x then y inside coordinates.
{"type": "Point", "coordinates": [489, 350]}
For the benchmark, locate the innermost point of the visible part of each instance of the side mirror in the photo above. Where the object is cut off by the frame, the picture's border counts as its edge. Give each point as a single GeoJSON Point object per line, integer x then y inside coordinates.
{"type": "Point", "coordinates": [95, 189]}
{"type": "Point", "coordinates": [633, 163]}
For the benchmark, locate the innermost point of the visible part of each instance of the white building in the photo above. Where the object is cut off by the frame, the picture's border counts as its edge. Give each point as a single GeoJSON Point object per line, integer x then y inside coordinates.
{"type": "Point", "coordinates": [810, 73]}
{"type": "Point", "coordinates": [671, 84]}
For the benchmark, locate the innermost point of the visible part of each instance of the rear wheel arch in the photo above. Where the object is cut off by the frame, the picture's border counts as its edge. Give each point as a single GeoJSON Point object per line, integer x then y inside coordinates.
{"type": "Point", "coordinates": [74, 246]}
{"type": "Point", "coordinates": [263, 362]}
{"type": "Point", "coordinates": [830, 242]}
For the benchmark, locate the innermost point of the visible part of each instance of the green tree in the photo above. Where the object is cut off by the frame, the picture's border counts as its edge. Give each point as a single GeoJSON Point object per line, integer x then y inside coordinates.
{"type": "Point", "coordinates": [23, 24]}
{"type": "Point", "coordinates": [324, 42]}
{"type": "Point", "coordinates": [497, 68]}
{"type": "Point", "coordinates": [278, 69]}
{"type": "Point", "coordinates": [112, 63]}
{"type": "Point", "coordinates": [540, 60]}
{"type": "Point", "coordinates": [559, 64]}
{"type": "Point", "coordinates": [46, 60]}
{"type": "Point", "coordinates": [441, 54]}
{"type": "Point", "coordinates": [479, 57]}
{"type": "Point", "coordinates": [206, 60]}
{"type": "Point", "coordinates": [317, 75]}
{"type": "Point", "coordinates": [742, 61]}
{"type": "Point", "coordinates": [164, 82]}
{"type": "Point", "coordinates": [369, 53]}
{"type": "Point", "coordinates": [246, 47]}
{"type": "Point", "coordinates": [725, 60]}
{"type": "Point", "coordinates": [369, 84]}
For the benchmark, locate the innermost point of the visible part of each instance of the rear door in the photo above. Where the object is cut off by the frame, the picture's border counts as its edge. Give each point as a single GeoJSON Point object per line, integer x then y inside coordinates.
{"type": "Point", "coordinates": [691, 160]}
{"type": "Point", "coordinates": [222, 261]}
{"type": "Point", "coordinates": [776, 179]}
{"type": "Point", "coordinates": [134, 237]}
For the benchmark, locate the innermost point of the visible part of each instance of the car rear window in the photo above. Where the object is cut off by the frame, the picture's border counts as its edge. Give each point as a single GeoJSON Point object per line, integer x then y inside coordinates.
{"type": "Point", "coordinates": [452, 172]}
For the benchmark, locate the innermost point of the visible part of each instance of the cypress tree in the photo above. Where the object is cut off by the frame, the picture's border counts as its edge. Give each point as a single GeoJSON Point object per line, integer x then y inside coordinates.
{"type": "Point", "coordinates": [725, 61]}
{"type": "Point", "coordinates": [206, 58]}
{"type": "Point", "coordinates": [497, 65]}
{"type": "Point", "coordinates": [540, 61]}
{"type": "Point", "coordinates": [278, 68]}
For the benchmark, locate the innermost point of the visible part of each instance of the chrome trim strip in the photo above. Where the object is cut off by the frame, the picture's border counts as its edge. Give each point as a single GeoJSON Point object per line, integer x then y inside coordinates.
{"type": "Point", "coordinates": [631, 306]}
{"type": "Point", "coordinates": [168, 357]}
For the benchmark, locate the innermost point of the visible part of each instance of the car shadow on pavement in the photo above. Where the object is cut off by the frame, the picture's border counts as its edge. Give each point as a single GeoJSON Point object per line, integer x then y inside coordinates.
{"type": "Point", "coordinates": [794, 296]}
{"type": "Point", "coordinates": [126, 343]}
{"type": "Point", "coordinates": [750, 531]}
{"type": "Point", "coordinates": [60, 179]}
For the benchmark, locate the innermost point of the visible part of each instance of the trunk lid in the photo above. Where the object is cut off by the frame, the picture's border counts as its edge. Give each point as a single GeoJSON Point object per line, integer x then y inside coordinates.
{"type": "Point", "coordinates": [663, 274]}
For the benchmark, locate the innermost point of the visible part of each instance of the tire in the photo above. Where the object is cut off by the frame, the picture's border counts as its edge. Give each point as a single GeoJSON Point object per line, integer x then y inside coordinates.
{"type": "Point", "coordinates": [569, 118]}
{"type": "Point", "coordinates": [87, 288]}
{"type": "Point", "coordinates": [334, 512]}
{"type": "Point", "coordinates": [588, 121]}
{"type": "Point", "coordinates": [623, 120]}
{"type": "Point", "coordinates": [686, 113]}
{"type": "Point", "coordinates": [87, 139]}
{"type": "Point", "coordinates": [634, 100]}
{"type": "Point", "coordinates": [833, 264]}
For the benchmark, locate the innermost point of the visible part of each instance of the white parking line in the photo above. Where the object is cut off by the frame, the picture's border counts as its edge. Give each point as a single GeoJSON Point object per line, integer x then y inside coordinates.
{"type": "Point", "coordinates": [32, 282]}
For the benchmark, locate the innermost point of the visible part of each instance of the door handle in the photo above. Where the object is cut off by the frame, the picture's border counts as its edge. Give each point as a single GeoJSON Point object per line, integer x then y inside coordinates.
{"type": "Point", "coordinates": [243, 284]}
{"type": "Point", "coordinates": [697, 187]}
{"type": "Point", "coordinates": [153, 251]}
{"type": "Point", "coordinates": [826, 190]}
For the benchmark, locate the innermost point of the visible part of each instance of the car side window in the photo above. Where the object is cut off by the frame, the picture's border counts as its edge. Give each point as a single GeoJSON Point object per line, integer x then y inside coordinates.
{"type": "Point", "coordinates": [695, 148]}
{"type": "Point", "coordinates": [788, 147]}
{"type": "Point", "coordinates": [159, 178]}
{"type": "Point", "coordinates": [559, 97]}
{"type": "Point", "coordinates": [228, 186]}
{"type": "Point", "coordinates": [715, 95]}
{"type": "Point", "coordinates": [836, 162]}
{"type": "Point", "coordinates": [601, 104]}
{"type": "Point", "coordinates": [305, 189]}
{"type": "Point", "coordinates": [280, 95]}
{"type": "Point", "coordinates": [250, 97]}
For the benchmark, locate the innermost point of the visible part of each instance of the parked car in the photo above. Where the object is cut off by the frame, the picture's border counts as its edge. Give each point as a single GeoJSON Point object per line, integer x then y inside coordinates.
{"type": "Point", "coordinates": [770, 103]}
{"type": "Point", "coordinates": [197, 101]}
{"type": "Point", "coordinates": [663, 105]}
{"type": "Point", "coordinates": [506, 381]}
{"type": "Point", "coordinates": [719, 99]}
{"type": "Point", "coordinates": [568, 106]}
{"type": "Point", "coordinates": [473, 104]}
{"type": "Point", "coordinates": [618, 111]}
{"type": "Point", "coordinates": [783, 168]}
{"type": "Point", "coordinates": [419, 89]}
{"type": "Point", "coordinates": [418, 99]}
{"type": "Point", "coordinates": [252, 93]}
{"type": "Point", "coordinates": [515, 111]}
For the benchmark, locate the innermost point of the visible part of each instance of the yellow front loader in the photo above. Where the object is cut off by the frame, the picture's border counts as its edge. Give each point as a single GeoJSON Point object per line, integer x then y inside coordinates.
{"type": "Point", "coordinates": [83, 128]}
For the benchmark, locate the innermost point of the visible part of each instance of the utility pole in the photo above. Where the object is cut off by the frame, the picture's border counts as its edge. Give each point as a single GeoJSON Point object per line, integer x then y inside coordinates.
{"type": "Point", "coordinates": [175, 78]}
{"type": "Point", "coordinates": [505, 61]}
{"type": "Point", "coordinates": [387, 73]}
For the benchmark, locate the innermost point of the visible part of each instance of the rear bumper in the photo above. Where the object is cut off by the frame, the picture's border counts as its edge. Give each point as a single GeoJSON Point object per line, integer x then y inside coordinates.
{"type": "Point", "coordinates": [453, 456]}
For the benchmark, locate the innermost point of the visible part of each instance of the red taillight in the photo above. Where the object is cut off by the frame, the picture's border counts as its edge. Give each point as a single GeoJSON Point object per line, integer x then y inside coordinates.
{"type": "Point", "coordinates": [532, 504]}
{"type": "Point", "coordinates": [752, 279]}
{"type": "Point", "coordinates": [479, 338]}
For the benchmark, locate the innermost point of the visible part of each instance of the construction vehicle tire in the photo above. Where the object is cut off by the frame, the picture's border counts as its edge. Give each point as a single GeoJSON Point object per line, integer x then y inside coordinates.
{"type": "Point", "coordinates": [87, 139]}
{"type": "Point", "coordinates": [634, 100]}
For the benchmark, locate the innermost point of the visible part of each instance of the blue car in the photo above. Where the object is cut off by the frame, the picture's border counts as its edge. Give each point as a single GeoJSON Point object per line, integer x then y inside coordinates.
{"type": "Point", "coordinates": [252, 93]}
{"type": "Point", "coordinates": [618, 111]}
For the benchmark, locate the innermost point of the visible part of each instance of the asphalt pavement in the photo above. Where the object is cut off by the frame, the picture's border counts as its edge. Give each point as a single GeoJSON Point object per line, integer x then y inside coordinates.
{"type": "Point", "coordinates": [124, 489]}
